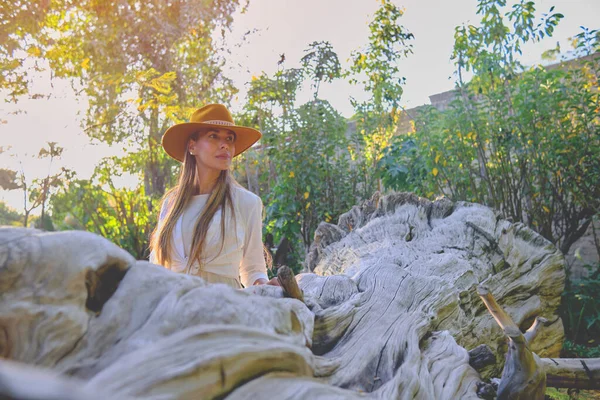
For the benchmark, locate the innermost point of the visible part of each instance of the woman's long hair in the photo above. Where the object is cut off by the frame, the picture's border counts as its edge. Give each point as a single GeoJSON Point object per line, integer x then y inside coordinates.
{"type": "Point", "coordinates": [178, 198]}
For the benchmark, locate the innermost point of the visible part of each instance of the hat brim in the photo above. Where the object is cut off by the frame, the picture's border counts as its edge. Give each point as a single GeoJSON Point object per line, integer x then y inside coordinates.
{"type": "Point", "coordinates": [175, 139]}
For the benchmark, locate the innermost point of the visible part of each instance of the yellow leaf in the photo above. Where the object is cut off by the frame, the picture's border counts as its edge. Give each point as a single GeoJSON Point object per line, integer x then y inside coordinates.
{"type": "Point", "coordinates": [254, 77]}
{"type": "Point", "coordinates": [307, 205]}
{"type": "Point", "coordinates": [34, 51]}
{"type": "Point", "coordinates": [85, 64]}
{"type": "Point", "coordinates": [546, 209]}
{"type": "Point", "coordinates": [437, 158]}
{"type": "Point", "coordinates": [306, 195]}
{"type": "Point", "coordinates": [435, 172]}
{"type": "Point", "coordinates": [292, 174]}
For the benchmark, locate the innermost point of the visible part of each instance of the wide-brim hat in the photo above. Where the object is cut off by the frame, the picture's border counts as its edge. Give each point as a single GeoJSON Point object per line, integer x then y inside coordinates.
{"type": "Point", "coordinates": [175, 139]}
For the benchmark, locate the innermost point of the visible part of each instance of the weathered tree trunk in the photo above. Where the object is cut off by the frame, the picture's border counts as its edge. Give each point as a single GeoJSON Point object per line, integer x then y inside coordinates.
{"type": "Point", "coordinates": [388, 314]}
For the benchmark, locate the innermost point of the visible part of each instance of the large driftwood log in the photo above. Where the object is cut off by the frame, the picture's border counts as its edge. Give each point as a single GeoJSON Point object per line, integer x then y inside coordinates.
{"type": "Point", "coordinates": [410, 256]}
{"type": "Point", "coordinates": [388, 315]}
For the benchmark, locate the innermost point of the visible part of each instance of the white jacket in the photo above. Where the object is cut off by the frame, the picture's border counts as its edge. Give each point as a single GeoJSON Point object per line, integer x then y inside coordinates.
{"type": "Point", "coordinates": [241, 257]}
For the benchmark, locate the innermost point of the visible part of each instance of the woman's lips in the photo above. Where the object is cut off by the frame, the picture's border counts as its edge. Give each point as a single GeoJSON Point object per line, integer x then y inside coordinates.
{"type": "Point", "coordinates": [224, 157]}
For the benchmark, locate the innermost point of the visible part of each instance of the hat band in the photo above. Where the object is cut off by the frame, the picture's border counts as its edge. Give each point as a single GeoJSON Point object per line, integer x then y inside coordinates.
{"type": "Point", "coordinates": [219, 122]}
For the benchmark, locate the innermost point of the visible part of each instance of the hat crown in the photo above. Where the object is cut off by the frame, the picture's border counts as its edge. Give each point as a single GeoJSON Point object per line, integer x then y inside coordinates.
{"type": "Point", "coordinates": [212, 112]}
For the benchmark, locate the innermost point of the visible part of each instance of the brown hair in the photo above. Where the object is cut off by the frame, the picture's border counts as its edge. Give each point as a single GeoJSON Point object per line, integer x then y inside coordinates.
{"type": "Point", "coordinates": [178, 198]}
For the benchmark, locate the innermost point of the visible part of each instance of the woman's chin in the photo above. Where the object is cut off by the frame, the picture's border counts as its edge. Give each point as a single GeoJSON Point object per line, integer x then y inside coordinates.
{"type": "Point", "coordinates": [224, 165]}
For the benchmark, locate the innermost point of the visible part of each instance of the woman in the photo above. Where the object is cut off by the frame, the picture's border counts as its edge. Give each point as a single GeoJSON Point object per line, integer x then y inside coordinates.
{"type": "Point", "coordinates": [209, 225]}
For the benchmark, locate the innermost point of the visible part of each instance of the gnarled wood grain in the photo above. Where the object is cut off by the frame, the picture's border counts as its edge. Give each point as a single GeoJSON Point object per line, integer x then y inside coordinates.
{"type": "Point", "coordinates": [389, 306]}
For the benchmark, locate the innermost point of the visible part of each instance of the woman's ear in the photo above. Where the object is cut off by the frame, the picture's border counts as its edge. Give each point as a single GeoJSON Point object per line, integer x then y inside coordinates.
{"type": "Point", "coordinates": [192, 147]}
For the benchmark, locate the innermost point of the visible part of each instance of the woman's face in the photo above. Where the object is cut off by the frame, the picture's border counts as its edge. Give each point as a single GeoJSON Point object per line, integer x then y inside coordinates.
{"type": "Point", "coordinates": [214, 149]}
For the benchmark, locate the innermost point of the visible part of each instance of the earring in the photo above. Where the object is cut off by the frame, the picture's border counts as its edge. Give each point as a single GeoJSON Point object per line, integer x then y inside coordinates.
{"type": "Point", "coordinates": [192, 153]}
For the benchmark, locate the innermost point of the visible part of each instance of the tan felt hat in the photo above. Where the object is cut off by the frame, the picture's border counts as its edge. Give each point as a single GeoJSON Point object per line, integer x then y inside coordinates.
{"type": "Point", "coordinates": [175, 139]}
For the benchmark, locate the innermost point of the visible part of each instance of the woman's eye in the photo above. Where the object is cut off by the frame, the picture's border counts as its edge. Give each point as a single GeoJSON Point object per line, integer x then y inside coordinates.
{"type": "Point", "coordinates": [212, 136]}
{"type": "Point", "coordinates": [230, 138]}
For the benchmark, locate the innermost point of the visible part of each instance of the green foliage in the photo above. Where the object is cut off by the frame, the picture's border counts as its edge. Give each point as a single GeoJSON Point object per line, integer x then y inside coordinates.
{"type": "Point", "coordinates": [311, 185]}
{"type": "Point", "coordinates": [376, 69]}
{"type": "Point", "coordinates": [574, 350]}
{"type": "Point", "coordinates": [37, 192]}
{"type": "Point", "coordinates": [141, 65]}
{"type": "Point", "coordinates": [10, 217]}
{"type": "Point", "coordinates": [555, 394]}
{"type": "Point", "coordinates": [580, 310]}
{"type": "Point", "coordinates": [402, 168]}
{"type": "Point", "coordinates": [121, 215]}
{"type": "Point", "coordinates": [321, 64]}
{"type": "Point", "coordinates": [571, 394]}
{"type": "Point", "coordinates": [301, 167]}
{"type": "Point", "coordinates": [311, 167]}
{"type": "Point", "coordinates": [524, 142]}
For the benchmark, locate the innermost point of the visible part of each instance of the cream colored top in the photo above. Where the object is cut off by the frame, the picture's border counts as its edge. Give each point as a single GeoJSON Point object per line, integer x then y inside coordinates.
{"type": "Point", "coordinates": [241, 257]}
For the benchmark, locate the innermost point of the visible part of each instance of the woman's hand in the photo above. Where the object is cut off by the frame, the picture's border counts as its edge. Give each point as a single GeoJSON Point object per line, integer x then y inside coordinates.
{"type": "Point", "coordinates": [262, 281]}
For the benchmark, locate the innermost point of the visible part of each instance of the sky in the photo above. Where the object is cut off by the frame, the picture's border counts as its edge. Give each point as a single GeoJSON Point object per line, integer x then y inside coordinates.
{"type": "Point", "coordinates": [281, 27]}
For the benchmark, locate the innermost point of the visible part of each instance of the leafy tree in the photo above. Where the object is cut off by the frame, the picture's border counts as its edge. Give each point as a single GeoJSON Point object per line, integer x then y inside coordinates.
{"type": "Point", "coordinates": [142, 66]}
{"type": "Point", "coordinates": [97, 205]}
{"type": "Point", "coordinates": [312, 182]}
{"type": "Point", "coordinates": [270, 108]}
{"type": "Point", "coordinates": [37, 192]}
{"type": "Point", "coordinates": [524, 141]}
{"type": "Point", "coordinates": [376, 69]}
{"type": "Point", "coordinates": [321, 64]}
{"type": "Point", "coordinates": [302, 163]}
{"type": "Point", "coordinates": [8, 216]}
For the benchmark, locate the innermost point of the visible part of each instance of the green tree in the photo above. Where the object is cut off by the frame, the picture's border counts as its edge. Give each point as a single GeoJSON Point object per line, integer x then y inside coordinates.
{"type": "Point", "coordinates": [270, 108]}
{"type": "Point", "coordinates": [8, 216]}
{"type": "Point", "coordinates": [37, 191]}
{"type": "Point", "coordinates": [524, 141]}
{"type": "Point", "coordinates": [303, 161]}
{"type": "Point", "coordinates": [321, 64]}
{"type": "Point", "coordinates": [377, 69]}
{"type": "Point", "coordinates": [97, 205]}
{"type": "Point", "coordinates": [312, 183]}
{"type": "Point", "coordinates": [142, 66]}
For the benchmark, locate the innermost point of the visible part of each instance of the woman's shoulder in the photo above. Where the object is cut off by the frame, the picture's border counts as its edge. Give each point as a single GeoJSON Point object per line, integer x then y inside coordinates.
{"type": "Point", "coordinates": [244, 197]}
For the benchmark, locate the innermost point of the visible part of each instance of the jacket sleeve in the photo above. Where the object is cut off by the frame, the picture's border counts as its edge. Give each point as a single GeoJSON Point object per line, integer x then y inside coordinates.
{"type": "Point", "coordinates": [253, 266]}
